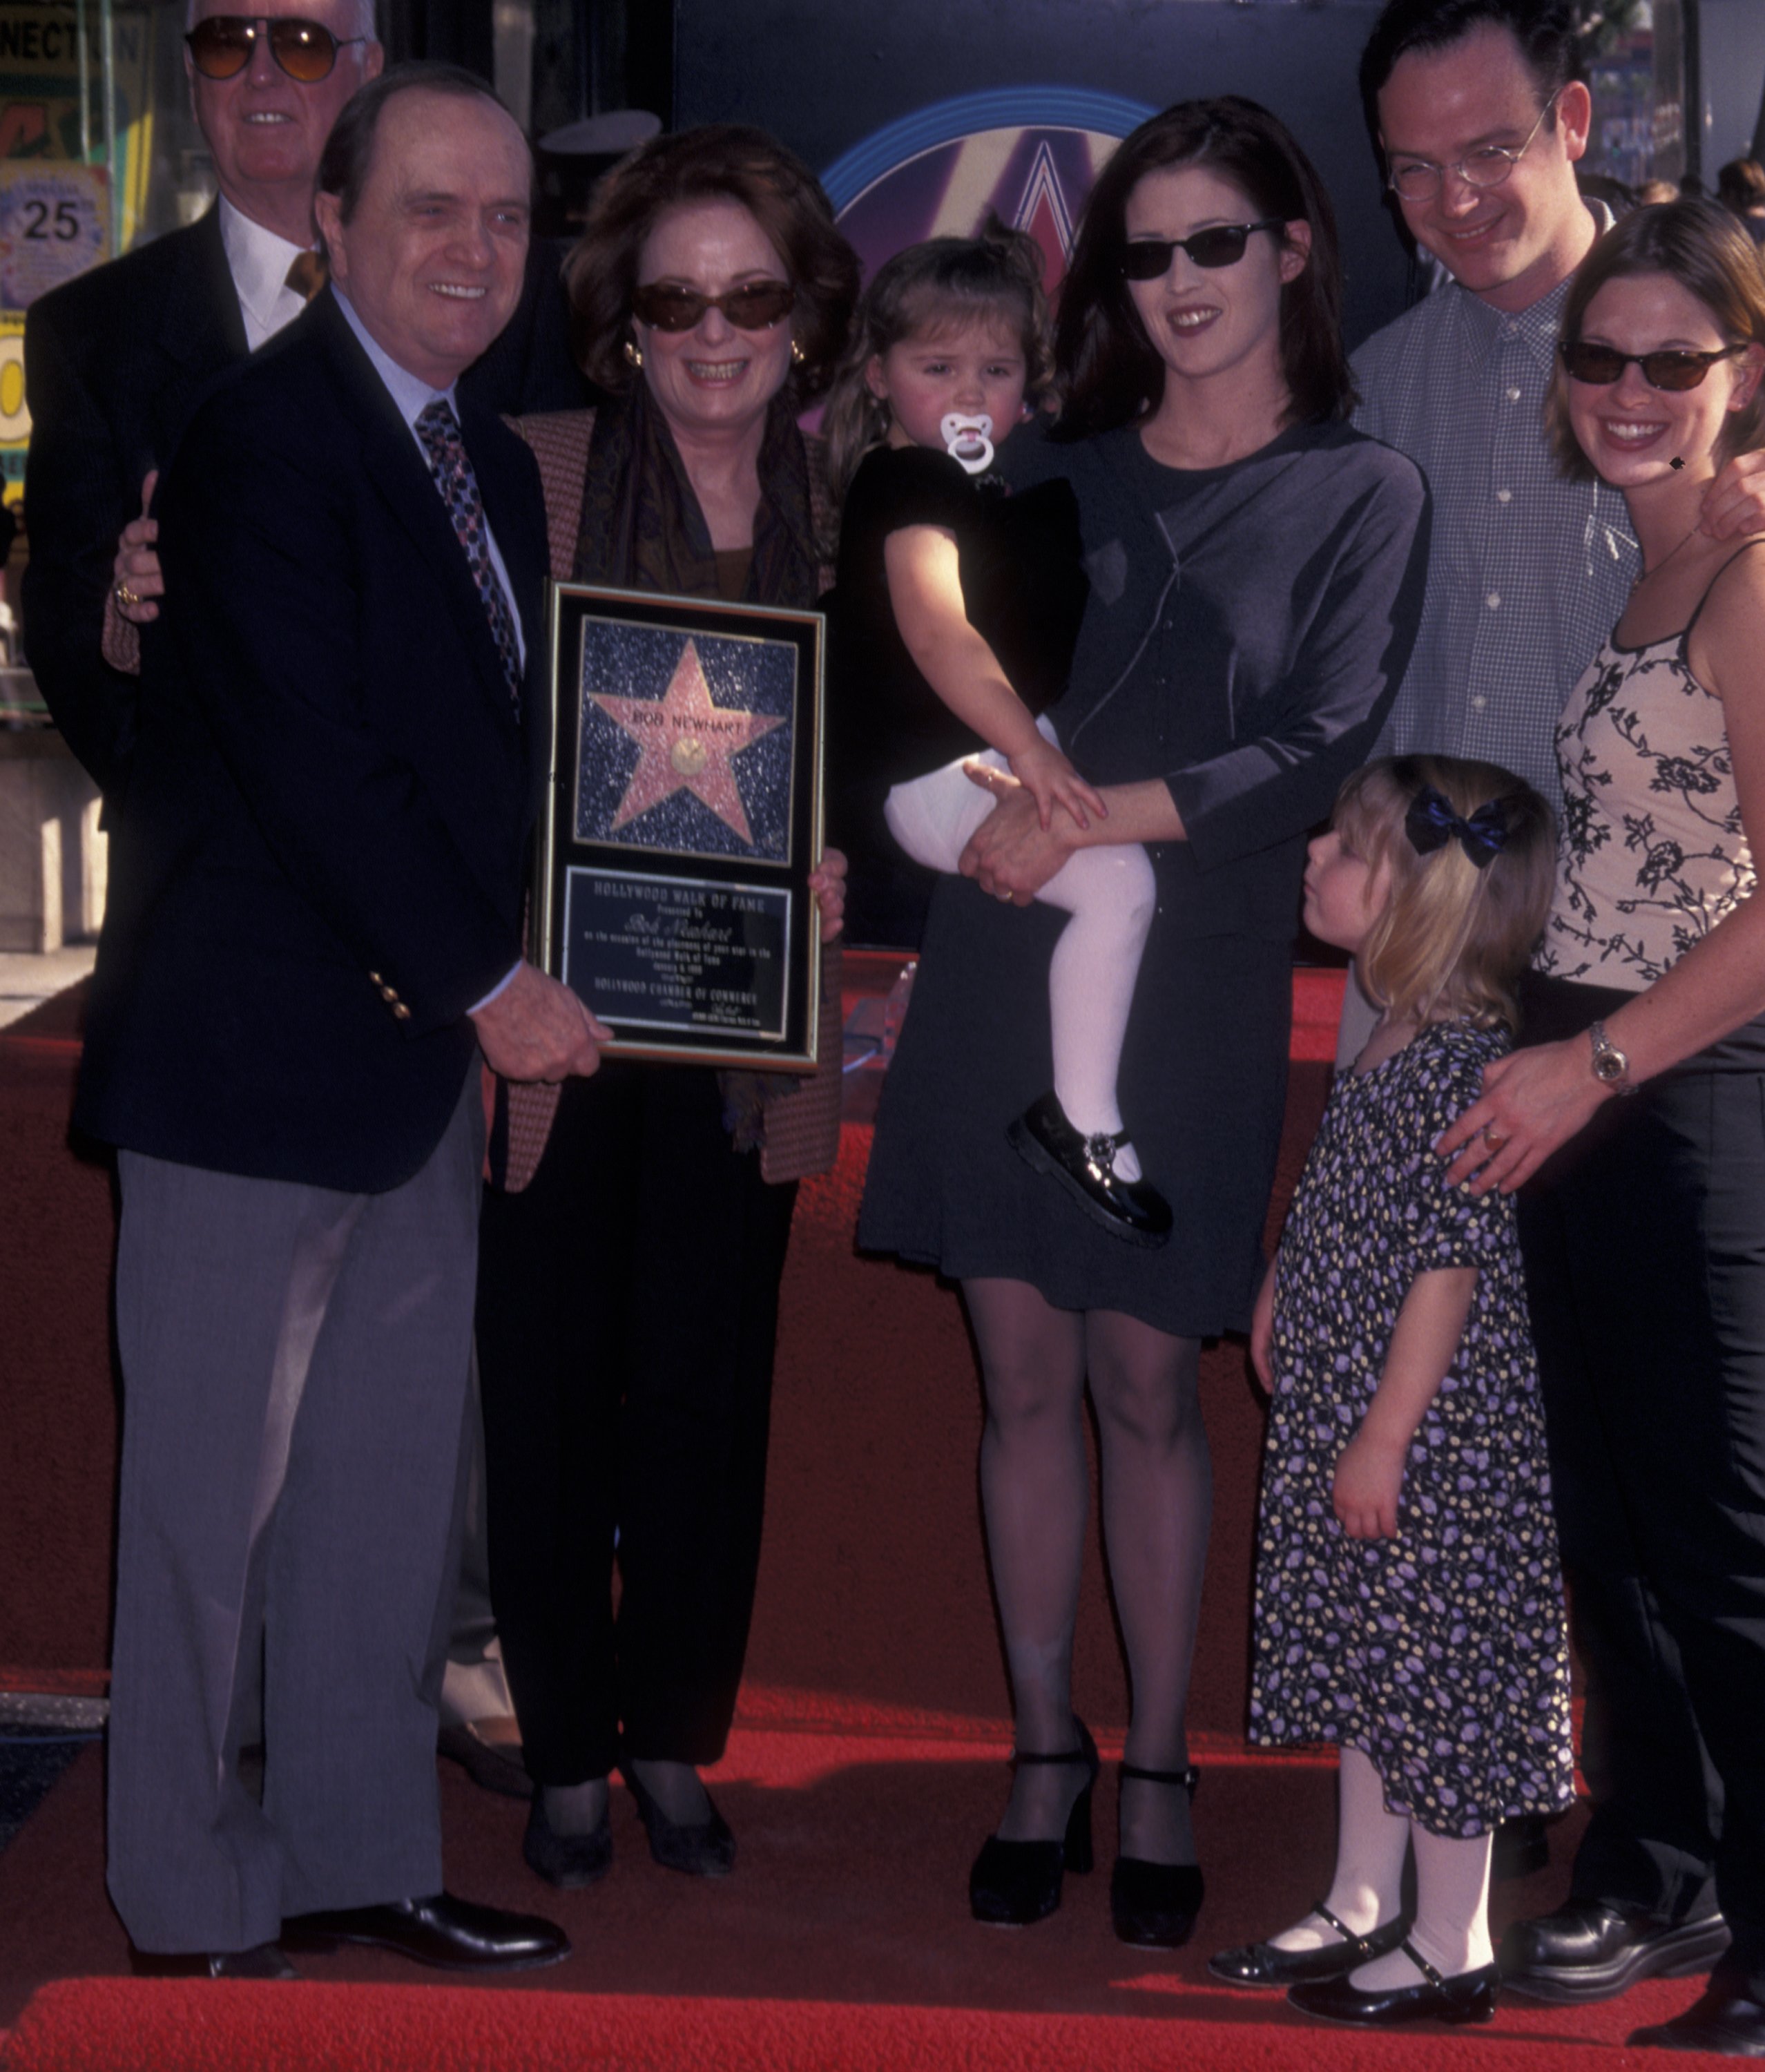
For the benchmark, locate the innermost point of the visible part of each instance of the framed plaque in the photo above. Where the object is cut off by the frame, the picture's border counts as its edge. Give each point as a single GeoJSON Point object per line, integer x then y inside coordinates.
{"type": "Point", "coordinates": [683, 819]}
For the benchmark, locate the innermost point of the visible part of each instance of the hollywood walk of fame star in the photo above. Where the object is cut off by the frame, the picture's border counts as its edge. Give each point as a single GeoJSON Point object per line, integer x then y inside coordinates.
{"type": "Point", "coordinates": [686, 743]}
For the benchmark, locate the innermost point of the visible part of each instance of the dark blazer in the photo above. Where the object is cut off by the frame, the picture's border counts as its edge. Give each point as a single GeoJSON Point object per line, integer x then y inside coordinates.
{"type": "Point", "coordinates": [317, 865]}
{"type": "Point", "coordinates": [115, 363]}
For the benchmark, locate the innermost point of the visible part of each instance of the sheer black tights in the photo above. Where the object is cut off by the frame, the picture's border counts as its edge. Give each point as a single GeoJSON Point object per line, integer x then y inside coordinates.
{"type": "Point", "coordinates": [1157, 1499]}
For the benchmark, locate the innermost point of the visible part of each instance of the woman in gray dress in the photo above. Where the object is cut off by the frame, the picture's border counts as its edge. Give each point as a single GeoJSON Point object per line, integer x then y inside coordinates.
{"type": "Point", "coordinates": [1256, 572]}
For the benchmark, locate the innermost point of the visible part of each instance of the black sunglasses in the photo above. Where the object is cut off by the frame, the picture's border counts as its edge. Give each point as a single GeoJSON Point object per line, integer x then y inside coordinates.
{"type": "Point", "coordinates": [223, 46]}
{"type": "Point", "coordinates": [1222, 245]}
{"type": "Point", "coordinates": [756, 305]}
{"type": "Point", "coordinates": [1599, 365]}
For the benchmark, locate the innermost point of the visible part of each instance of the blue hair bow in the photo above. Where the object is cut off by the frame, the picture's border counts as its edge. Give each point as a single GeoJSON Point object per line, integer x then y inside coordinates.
{"type": "Point", "coordinates": [1430, 820]}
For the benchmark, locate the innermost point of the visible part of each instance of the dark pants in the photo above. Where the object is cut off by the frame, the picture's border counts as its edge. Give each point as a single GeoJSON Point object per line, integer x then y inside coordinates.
{"type": "Point", "coordinates": [1645, 1261]}
{"type": "Point", "coordinates": [628, 1304]}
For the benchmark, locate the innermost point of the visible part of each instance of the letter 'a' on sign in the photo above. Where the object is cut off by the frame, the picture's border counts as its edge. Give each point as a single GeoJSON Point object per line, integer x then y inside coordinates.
{"type": "Point", "coordinates": [682, 823]}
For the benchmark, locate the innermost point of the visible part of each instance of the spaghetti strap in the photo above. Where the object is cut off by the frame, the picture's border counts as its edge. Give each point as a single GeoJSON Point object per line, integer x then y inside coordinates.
{"type": "Point", "coordinates": [1757, 539]}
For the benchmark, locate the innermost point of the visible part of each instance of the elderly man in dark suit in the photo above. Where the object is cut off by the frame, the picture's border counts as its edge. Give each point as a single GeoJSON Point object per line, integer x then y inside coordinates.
{"type": "Point", "coordinates": [115, 361]}
{"type": "Point", "coordinates": [313, 937]}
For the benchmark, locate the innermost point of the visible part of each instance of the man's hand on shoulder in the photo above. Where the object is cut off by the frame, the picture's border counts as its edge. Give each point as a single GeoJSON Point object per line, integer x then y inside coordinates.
{"type": "Point", "coordinates": [537, 1029]}
{"type": "Point", "coordinates": [1735, 503]}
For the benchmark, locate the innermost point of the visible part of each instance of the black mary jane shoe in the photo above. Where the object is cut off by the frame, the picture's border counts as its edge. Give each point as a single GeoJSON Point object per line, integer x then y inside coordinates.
{"type": "Point", "coordinates": [1467, 1996]}
{"type": "Point", "coordinates": [1013, 1884]}
{"type": "Point", "coordinates": [701, 1848]}
{"type": "Point", "coordinates": [567, 1861]}
{"type": "Point", "coordinates": [1153, 1906]}
{"type": "Point", "coordinates": [1263, 1964]}
{"type": "Point", "coordinates": [1086, 1167]}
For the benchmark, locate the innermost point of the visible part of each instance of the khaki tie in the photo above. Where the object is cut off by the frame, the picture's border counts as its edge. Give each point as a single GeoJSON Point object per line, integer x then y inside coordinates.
{"type": "Point", "coordinates": [307, 275]}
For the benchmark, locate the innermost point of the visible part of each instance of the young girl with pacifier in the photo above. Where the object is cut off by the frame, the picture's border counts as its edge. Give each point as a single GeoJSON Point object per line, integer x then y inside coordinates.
{"type": "Point", "coordinates": [1408, 1599]}
{"type": "Point", "coordinates": [953, 619]}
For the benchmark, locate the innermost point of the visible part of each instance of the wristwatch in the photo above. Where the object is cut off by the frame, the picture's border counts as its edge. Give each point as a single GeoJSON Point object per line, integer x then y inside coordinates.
{"type": "Point", "coordinates": [1611, 1067]}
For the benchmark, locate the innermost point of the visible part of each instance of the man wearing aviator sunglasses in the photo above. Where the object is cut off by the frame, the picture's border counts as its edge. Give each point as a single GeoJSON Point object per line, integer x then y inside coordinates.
{"type": "Point", "coordinates": [115, 361]}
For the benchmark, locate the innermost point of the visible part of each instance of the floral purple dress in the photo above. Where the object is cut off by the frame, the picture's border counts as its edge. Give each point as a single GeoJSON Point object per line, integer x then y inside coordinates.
{"type": "Point", "coordinates": [1442, 1653]}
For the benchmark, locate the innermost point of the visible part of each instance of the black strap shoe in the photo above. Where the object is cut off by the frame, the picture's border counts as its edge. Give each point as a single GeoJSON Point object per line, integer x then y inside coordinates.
{"type": "Point", "coordinates": [1263, 1964]}
{"type": "Point", "coordinates": [452, 1935]}
{"type": "Point", "coordinates": [1013, 1884]}
{"type": "Point", "coordinates": [1467, 1996]}
{"type": "Point", "coordinates": [1086, 1167]}
{"type": "Point", "coordinates": [1153, 1906]}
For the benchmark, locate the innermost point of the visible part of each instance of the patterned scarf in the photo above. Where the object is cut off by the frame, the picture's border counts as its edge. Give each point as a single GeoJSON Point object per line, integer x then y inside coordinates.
{"type": "Point", "coordinates": [642, 529]}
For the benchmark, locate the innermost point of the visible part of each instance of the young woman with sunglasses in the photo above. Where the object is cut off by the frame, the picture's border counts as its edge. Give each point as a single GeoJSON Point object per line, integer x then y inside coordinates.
{"type": "Point", "coordinates": [1644, 1234]}
{"type": "Point", "coordinates": [1256, 572]}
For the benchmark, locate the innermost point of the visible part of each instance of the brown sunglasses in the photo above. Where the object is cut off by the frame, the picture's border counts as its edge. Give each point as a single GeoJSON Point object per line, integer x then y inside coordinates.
{"type": "Point", "coordinates": [755, 306]}
{"type": "Point", "coordinates": [223, 46]}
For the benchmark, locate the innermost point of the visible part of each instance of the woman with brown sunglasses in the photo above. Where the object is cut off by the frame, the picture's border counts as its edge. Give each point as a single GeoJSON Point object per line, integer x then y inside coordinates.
{"type": "Point", "coordinates": [1644, 1232]}
{"type": "Point", "coordinates": [631, 1257]}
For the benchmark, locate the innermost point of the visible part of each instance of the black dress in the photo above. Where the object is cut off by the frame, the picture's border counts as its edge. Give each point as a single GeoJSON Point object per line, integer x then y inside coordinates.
{"type": "Point", "coordinates": [1247, 628]}
{"type": "Point", "coordinates": [1025, 593]}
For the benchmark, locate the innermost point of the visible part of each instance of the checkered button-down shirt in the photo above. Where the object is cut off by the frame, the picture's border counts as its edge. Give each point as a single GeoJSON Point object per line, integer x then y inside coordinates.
{"type": "Point", "coordinates": [1527, 572]}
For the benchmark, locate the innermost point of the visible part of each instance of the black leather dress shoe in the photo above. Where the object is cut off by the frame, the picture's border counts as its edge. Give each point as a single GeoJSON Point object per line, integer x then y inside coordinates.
{"type": "Point", "coordinates": [263, 1960]}
{"type": "Point", "coordinates": [1724, 2021]}
{"type": "Point", "coordinates": [1595, 1949]}
{"type": "Point", "coordinates": [701, 1848]}
{"type": "Point", "coordinates": [1467, 1996]}
{"type": "Point", "coordinates": [567, 1860]}
{"type": "Point", "coordinates": [453, 1934]}
{"type": "Point", "coordinates": [1262, 1964]}
{"type": "Point", "coordinates": [1086, 1167]}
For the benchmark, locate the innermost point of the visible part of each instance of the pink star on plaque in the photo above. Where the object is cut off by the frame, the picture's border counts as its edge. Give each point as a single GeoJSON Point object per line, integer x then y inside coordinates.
{"type": "Point", "coordinates": [687, 742]}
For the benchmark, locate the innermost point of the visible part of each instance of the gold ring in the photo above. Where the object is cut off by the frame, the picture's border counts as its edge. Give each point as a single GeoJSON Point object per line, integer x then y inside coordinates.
{"type": "Point", "coordinates": [125, 595]}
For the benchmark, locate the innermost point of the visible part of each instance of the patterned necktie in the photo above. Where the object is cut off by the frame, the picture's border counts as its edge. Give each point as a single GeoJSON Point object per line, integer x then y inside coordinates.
{"type": "Point", "coordinates": [439, 430]}
{"type": "Point", "coordinates": [307, 274]}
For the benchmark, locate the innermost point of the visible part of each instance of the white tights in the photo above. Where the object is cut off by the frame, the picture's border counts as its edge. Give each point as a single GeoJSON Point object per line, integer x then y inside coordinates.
{"type": "Point", "coordinates": [1452, 1927]}
{"type": "Point", "coordinates": [1110, 894]}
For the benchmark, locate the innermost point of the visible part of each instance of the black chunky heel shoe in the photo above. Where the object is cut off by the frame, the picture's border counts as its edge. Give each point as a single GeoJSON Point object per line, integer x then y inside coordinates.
{"type": "Point", "coordinates": [1086, 1167]}
{"type": "Point", "coordinates": [1263, 1964]}
{"type": "Point", "coordinates": [1153, 1906]}
{"type": "Point", "coordinates": [1014, 1883]}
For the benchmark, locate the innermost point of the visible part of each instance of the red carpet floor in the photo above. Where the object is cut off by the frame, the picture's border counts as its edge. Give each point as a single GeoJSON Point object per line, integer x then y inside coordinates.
{"type": "Point", "coordinates": [864, 1773]}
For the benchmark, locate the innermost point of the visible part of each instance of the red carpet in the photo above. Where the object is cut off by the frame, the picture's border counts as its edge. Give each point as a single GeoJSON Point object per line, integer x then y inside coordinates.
{"type": "Point", "coordinates": [864, 1770]}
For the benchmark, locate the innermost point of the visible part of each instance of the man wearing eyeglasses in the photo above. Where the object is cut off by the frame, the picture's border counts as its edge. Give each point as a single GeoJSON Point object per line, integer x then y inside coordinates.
{"type": "Point", "coordinates": [1481, 111]}
{"type": "Point", "coordinates": [115, 361]}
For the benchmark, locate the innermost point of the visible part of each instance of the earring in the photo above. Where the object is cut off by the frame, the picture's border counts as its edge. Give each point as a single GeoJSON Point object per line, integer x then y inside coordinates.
{"type": "Point", "coordinates": [797, 352]}
{"type": "Point", "coordinates": [633, 356]}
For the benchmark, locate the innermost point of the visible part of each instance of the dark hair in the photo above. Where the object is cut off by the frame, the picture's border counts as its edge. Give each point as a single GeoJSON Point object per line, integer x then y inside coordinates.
{"type": "Point", "coordinates": [1110, 371]}
{"type": "Point", "coordinates": [348, 155]}
{"type": "Point", "coordinates": [1547, 32]}
{"type": "Point", "coordinates": [937, 286]}
{"type": "Point", "coordinates": [1740, 185]}
{"type": "Point", "coordinates": [716, 162]}
{"type": "Point", "coordinates": [1701, 246]}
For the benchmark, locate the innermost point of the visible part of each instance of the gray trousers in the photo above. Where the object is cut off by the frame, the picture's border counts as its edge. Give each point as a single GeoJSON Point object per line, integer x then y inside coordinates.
{"type": "Point", "coordinates": [294, 1372]}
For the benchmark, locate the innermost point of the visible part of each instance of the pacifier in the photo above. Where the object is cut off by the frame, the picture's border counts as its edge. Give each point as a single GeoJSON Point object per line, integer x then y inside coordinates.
{"type": "Point", "coordinates": [969, 440]}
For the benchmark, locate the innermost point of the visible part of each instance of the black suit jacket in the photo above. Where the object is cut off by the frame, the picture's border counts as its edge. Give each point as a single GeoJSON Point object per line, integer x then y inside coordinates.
{"type": "Point", "coordinates": [115, 364]}
{"type": "Point", "coordinates": [317, 865]}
